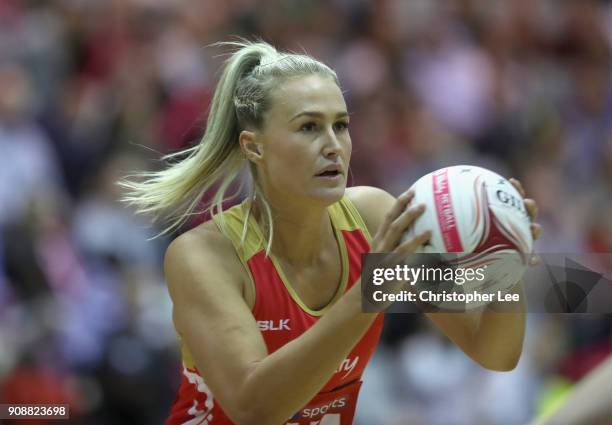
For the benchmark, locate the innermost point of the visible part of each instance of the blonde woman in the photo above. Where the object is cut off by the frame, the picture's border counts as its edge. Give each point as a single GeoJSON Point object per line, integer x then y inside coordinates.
{"type": "Point", "coordinates": [266, 295]}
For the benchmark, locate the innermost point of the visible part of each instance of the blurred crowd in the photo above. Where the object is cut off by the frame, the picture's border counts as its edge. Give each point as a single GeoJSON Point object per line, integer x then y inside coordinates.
{"type": "Point", "coordinates": [91, 90]}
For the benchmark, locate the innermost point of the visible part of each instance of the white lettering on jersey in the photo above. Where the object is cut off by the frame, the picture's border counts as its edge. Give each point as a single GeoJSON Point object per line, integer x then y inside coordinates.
{"type": "Point", "coordinates": [196, 379]}
{"type": "Point", "coordinates": [320, 410]}
{"type": "Point", "coordinates": [273, 325]}
{"type": "Point", "coordinates": [348, 366]}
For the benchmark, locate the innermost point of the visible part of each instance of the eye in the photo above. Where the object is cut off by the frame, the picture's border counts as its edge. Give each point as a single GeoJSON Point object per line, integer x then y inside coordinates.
{"type": "Point", "coordinates": [308, 127]}
{"type": "Point", "coordinates": [341, 126]}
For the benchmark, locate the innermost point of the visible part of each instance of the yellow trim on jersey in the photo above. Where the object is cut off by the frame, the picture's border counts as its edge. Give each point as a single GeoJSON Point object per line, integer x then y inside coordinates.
{"type": "Point", "coordinates": [351, 219]}
{"type": "Point", "coordinates": [234, 221]}
{"type": "Point", "coordinates": [343, 216]}
{"type": "Point", "coordinates": [186, 355]}
{"type": "Point", "coordinates": [343, 275]}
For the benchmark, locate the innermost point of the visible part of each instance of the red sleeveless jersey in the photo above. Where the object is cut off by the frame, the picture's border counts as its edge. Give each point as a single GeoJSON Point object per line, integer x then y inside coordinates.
{"type": "Point", "coordinates": [282, 317]}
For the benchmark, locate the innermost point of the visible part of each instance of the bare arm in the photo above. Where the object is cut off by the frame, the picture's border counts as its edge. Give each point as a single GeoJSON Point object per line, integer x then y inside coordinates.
{"type": "Point", "coordinates": [589, 403]}
{"type": "Point", "coordinates": [253, 386]}
{"type": "Point", "coordinates": [493, 339]}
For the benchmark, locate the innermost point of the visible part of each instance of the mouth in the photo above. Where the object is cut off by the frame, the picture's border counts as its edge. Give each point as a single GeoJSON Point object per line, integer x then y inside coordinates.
{"type": "Point", "coordinates": [330, 173]}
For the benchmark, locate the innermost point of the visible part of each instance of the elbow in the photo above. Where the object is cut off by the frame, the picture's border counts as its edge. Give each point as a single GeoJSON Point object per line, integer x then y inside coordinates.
{"type": "Point", "coordinates": [499, 363]}
{"type": "Point", "coordinates": [244, 414]}
{"type": "Point", "coordinates": [258, 410]}
{"type": "Point", "coordinates": [245, 418]}
{"type": "Point", "coordinates": [251, 406]}
{"type": "Point", "coordinates": [499, 356]}
{"type": "Point", "coordinates": [254, 416]}
{"type": "Point", "coordinates": [500, 366]}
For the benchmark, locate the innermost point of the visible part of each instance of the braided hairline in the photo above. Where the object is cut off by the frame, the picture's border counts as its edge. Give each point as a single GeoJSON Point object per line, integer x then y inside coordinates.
{"type": "Point", "coordinates": [250, 95]}
{"type": "Point", "coordinates": [242, 103]}
{"type": "Point", "coordinates": [248, 107]}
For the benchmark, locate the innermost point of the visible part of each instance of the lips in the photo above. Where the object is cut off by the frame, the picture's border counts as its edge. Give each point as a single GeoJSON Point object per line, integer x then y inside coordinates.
{"type": "Point", "coordinates": [328, 174]}
{"type": "Point", "coordinates": [330, 171]}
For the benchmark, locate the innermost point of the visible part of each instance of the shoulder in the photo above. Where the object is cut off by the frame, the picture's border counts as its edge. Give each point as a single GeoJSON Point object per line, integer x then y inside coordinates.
{"type": "Point", "coordinates": [197, 254]}
{"type": "Point", "coordinates": [203, 241]}
{"type": "Point", "coordinates": [372, 204]}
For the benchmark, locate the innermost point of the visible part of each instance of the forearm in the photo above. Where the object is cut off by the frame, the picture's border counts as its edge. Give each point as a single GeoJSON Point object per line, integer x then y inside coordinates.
{"type": "Point", "coordinates": [498, 341]}
{"type": "Point", "coordinates": [589, 403]}
{"type": "Point", "coordinates": [287, 379]}
{"type": "Point", "coordinates": [492, 337]}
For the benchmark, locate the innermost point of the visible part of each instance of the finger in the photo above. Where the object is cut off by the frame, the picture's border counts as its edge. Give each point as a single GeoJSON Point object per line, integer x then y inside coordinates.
{"type": "Point", "coordinates": [518, 186]}
{"type": "Point", "coordinates": [413, 243]}
{"type": "Point", "coordinates": [401, 224]}
{"type": "Point", "coordinates": [407, 194]}
{"type": "Point", "coordinates": [536, 231]}
{"type": "Point", "coordinates": [532, 208]}
{"type": "Point", "coordinates": [398, 207]}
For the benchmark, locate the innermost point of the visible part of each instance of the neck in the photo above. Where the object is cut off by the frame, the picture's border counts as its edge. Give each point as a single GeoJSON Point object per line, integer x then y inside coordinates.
{"type": "Point", "coordinates": [300, 232]}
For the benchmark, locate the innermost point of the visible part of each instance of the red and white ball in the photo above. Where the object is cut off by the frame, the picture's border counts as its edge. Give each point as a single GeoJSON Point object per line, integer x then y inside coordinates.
{"type": "Point", "coordinates": [480, 215]}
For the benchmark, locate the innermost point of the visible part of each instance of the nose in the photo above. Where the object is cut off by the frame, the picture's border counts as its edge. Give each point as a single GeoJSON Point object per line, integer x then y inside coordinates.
{"type": "Point", "coordinates": [332, 145]}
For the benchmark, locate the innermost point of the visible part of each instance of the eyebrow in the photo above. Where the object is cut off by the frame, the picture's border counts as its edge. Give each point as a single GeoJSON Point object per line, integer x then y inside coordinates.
{"type": "Point", "coordinates": [318, 114]}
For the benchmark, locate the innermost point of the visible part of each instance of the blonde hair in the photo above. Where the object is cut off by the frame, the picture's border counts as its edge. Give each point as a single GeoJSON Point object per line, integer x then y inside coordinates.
{"type": "Point", "coordinates": [241, 99]}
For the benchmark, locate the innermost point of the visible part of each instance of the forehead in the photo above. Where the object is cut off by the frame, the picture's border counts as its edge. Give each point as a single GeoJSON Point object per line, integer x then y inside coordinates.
{"type": "Point", "coordinates": [313, 93]}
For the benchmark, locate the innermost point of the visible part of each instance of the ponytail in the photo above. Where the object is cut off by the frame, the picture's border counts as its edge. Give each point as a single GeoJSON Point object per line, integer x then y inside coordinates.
{"type": "Point", "coordinates": [240, 101]}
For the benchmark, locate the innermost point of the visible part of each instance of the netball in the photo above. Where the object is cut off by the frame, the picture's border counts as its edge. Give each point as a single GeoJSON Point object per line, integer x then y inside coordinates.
{"type": "Point", "coordinates": [478, 216]}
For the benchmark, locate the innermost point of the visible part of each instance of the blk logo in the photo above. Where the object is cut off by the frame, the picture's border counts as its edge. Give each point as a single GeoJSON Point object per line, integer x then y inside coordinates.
{"type": "Point", "coordinates": [273, 325]}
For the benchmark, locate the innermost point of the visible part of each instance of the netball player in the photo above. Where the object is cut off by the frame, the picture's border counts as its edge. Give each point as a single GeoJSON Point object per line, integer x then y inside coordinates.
{"type": "Point", "coordinates": [266, 295]}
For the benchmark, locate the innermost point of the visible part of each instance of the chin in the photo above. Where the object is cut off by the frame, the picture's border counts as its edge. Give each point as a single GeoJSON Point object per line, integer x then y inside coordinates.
{"type": "Point", "coordinates": [328, 196]}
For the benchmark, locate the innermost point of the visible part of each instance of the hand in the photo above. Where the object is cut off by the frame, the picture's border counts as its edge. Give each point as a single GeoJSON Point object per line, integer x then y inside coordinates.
{"type": "Point", "coordinates": [388, 238]}
{"type": "Point", "coordinates": [397, 221]}
{"type": "Point", "coordinates": [532, 209]}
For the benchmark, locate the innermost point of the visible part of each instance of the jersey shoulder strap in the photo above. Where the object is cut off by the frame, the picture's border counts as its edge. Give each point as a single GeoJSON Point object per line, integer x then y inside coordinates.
{"type": "Point", "coordinates": [346, 217]}
{"type": "Point", "coordinates": [247, 239]}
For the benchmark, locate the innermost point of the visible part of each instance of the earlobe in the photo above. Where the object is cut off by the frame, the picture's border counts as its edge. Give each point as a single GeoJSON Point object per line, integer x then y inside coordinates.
{"type": "Point", "coordinates": [251, 149]}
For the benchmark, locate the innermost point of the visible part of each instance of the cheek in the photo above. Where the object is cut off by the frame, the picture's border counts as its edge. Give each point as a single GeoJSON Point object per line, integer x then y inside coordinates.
{"type": "Point", "coordinates": [349, 148]}
{"type": "Point", "coordinates": [287, 163]}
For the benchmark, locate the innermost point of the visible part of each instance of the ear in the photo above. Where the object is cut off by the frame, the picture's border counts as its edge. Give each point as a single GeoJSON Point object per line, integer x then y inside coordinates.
{"type": "Point", "coordinates": [250, 146]}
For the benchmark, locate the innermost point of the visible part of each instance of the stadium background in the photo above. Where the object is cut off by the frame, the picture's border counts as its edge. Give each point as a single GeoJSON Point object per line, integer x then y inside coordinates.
{"type": "Point", "coordinates": [92, 89]}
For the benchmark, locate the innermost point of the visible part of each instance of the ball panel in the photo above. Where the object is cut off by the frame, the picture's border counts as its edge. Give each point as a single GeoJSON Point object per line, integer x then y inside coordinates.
{"type": "Point", "coordinates": [446, 215]}
{"type": "Point", "coordinates": [479, 214]}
